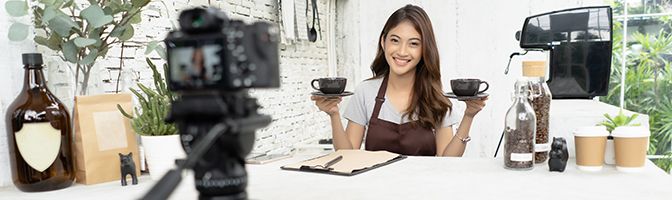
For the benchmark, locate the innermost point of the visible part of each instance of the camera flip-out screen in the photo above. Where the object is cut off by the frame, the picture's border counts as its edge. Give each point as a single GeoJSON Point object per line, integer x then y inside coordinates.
{"type": "Point", "coordinates": [195, 66]}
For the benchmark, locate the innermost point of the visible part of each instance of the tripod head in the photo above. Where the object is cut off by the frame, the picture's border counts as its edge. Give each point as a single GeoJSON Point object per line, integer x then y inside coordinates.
{"type": "Point", "coordinates": [217, 132]}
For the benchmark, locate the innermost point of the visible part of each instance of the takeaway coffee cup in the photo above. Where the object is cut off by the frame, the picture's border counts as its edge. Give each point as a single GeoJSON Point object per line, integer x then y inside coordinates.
{"type": "Point", "coordinates": [630, 144]}
{"type": "Point", "coordinates": [329, 85]}
{"type": "Point", "coordinates": [467, 86]}
{"type": "Point", "coordinates": [590, 143]}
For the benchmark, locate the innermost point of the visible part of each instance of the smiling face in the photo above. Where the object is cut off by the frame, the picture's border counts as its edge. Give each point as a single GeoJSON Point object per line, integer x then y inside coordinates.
{"type": "Point", "coordinates": [402, 48]}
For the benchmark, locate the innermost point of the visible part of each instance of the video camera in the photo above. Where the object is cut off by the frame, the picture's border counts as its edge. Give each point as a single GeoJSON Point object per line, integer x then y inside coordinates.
{"type": "Point", "coordinates": [211, 52]}
{"type": "Point", "coordinates": [211, 62]}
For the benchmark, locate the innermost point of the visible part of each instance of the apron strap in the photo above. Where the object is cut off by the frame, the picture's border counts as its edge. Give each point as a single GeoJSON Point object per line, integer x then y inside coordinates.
{"type": "Point", "coordinates": [380, 98]}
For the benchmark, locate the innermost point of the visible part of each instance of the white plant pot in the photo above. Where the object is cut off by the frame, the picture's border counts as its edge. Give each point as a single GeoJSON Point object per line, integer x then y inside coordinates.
{"type": "Point", "coordinates": [609, 154]}
{"type": "Point", "coordinates": [161, 152]}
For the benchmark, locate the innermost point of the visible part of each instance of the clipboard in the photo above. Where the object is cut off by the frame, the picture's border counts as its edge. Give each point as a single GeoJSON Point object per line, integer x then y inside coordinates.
{"type": "Point", "coordinates": [346, 162]}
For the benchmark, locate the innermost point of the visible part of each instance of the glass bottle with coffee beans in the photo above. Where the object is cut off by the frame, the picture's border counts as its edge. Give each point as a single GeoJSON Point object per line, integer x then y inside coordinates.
{"type": "Point", "coordinates": [540, 99]}
{"type": "Point", "coordinates": [519, 131]}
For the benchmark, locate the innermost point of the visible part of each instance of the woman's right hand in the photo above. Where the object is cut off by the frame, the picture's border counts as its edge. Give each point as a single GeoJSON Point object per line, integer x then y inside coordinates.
{"type": "Point", "coordinates": [328, 105]}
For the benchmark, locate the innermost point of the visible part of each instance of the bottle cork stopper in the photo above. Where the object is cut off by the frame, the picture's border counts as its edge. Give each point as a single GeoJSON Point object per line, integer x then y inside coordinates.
{"type": "Point", "coordinates": [534, 68]}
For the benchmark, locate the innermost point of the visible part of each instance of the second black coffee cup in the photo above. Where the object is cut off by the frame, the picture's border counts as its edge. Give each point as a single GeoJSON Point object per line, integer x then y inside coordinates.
{"type": "Point", "coordinates": [330, 85]}
{"type": "Point", "coordinates": [467, 86]}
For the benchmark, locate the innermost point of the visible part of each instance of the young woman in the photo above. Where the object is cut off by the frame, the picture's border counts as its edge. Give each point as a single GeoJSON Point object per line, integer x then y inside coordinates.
{"type": "Point", "coordinates": [402, 108]}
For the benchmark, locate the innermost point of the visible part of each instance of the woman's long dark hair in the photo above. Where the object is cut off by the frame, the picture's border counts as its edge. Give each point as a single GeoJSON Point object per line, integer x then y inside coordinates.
{"type": "Point", "coordinates": [427, 102]}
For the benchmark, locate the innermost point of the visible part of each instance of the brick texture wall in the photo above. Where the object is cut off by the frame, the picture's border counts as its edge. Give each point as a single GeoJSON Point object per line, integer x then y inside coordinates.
{"type": "Point", "coordinates": [295, 118]}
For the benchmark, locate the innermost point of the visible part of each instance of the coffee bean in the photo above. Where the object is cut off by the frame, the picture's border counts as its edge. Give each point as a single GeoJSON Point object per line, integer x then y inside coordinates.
{"type": "Point", "coordinates": [541, 105]}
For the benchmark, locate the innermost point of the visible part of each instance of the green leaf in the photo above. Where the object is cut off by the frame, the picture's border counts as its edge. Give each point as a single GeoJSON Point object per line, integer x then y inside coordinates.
{"type": "Point", "coordinates": [108, 11]}
{"type": "Point", "coordinates": [70, 51]}
{"type": "Point", "coordinates": [127, 7]}
{"type": "Point", "coordinates": [88, 59]}
{"type": "Point", "coordinates": [128, 33]}
{"type": "Point", "coordinates": [139, 3]}
{"type": "Point", "coordinates": [16, 8]}
{"type": "Point", "coordinates": [103, 52]}
{"type": "Point", "coordinates": [151, 46]}
{"type": "Point", "coordinates": [95, 16]}
{"type": "Point", "coordinates": [49, 13]}
{"type": "Point", "coordinates": [113, 7]}
{"type": "Point", "coordinates": [95, 35]}
{"type": "Point", "coordinates": [161, 51]}
{"type": "Point", "coordinates": [18, 32]}
{"type": "Point", "coordinates": [118, 31]}
{"type": "Point", "coordinates": [58, 3]}
{"type": "Point", "coordinates": [62, 25]}
{"type": "Point", "coordinates": [135, 19]}
{"type": "Point", "coordinates": [83, 42]}
{"type": "Point", "coordinates": [41, 40]}
{"type": "Point", "coordinates": [54, 42]}
{"type": "Point", "coordinates": [68, 3]}
{"type": "Point", "coordinates": [47, 2]}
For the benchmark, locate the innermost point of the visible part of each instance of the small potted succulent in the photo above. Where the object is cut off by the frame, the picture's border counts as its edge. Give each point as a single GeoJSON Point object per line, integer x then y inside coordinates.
{"type": "Point", "coordinates": [160, 139]}
{"type": "Point", "coordinates": [611, 122]}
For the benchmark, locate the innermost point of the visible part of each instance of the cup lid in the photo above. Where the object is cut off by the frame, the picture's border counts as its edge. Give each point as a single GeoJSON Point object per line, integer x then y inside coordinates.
{"type": "Point", "coordinates": [591, 131]}
{"type": "Point", "coordinates": [630, 131]}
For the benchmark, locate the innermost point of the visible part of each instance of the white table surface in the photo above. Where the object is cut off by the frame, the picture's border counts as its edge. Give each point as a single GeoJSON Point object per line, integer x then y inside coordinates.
{"type": "Point", "coordinates": [411, 178]}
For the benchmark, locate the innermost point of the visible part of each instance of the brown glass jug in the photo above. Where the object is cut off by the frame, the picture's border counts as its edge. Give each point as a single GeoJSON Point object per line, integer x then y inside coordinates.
{"type": "Point", "coordinates": [39, 134]}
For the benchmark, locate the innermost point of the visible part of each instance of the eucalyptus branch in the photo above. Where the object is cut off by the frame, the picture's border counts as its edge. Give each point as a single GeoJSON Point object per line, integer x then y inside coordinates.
{"type": "Point", "coordinates": [121, 67]}
{"type": "Point", "coordinates": [81, 35]}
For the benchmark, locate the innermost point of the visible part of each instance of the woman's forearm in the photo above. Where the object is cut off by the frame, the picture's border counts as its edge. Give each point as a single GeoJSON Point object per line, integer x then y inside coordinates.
{"type": "Point", "coordinates": [340, 139]}
{"type": "Point", "coordinates": [456, 147]}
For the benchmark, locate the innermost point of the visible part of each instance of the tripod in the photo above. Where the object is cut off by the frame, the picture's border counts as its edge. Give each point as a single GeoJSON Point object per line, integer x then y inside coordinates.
{"type": "Point", "coordinates": [217, 132]}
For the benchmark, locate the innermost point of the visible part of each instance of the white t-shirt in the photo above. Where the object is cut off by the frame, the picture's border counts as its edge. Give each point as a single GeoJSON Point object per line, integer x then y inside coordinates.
{"type": "Point", "coordinates": [360, 107]}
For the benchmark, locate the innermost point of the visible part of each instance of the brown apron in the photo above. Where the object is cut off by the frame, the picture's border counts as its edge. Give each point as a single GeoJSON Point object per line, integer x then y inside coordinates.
{"type": "Point", "coordinates": [403, 138]}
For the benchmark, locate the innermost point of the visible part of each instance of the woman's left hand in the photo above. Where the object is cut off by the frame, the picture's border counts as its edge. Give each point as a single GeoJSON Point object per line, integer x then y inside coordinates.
{"type": "Point", "coordinates": [474, 106]}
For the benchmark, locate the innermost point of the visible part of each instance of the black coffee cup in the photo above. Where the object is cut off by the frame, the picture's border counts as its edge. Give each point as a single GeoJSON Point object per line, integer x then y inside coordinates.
{"type": "Point", "coordinates": [467, 86]}
{"type": "Point", "coordinates": [330, 85]}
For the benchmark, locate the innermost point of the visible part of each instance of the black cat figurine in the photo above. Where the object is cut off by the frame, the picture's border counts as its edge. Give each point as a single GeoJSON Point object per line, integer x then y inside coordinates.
{"type": "Point", "coordinates": [127, 167]}
{"type": "Point", "coordinates": [558, 155]}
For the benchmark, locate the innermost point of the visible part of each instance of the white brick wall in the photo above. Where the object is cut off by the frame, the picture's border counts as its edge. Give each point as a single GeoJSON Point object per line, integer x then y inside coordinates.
{"type": "Point", "coordinates": [295, 118]}
{"type": "Point", "coordinates": [11, 79]}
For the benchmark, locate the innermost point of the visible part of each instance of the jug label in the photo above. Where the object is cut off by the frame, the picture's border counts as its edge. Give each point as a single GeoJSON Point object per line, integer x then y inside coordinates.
{"type": "Point", "coordinates": [38, 144]}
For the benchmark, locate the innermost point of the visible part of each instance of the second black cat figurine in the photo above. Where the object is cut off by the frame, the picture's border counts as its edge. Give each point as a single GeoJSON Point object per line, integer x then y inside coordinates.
{"type": "Point", "coordinates": [127, 167]}
{"type": "Point", "coordinates": [558, 156]}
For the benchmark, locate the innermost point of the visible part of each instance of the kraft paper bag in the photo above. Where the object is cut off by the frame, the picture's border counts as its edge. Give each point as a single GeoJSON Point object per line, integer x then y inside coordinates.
{"type": "Point", "coordinates": [101, 133]}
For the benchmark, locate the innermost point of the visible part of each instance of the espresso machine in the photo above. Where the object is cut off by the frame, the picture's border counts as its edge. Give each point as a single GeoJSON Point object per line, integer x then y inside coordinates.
{"type": "Point", "coordinates": [579, 43]}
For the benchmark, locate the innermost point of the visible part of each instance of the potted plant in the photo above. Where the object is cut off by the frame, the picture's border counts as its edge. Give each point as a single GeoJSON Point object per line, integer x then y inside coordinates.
{"type": "Point", "coordinates": [611, 123]}
{"type": "Point", "coordinates": [159, 138]}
